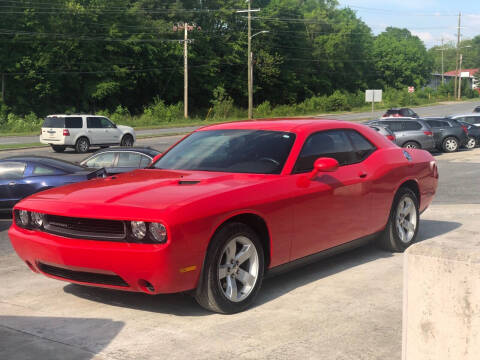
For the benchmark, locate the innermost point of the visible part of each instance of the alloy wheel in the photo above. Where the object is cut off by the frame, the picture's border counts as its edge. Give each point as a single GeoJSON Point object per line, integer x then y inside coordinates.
{"type": "Point", "coordinates": [238, 269]}
{"type": "Point", "coordinates": [471, 143]}
{"type": "Point", "coordinates": [451, 145]}
{"type": "Point", "coordinates": [406, 219]}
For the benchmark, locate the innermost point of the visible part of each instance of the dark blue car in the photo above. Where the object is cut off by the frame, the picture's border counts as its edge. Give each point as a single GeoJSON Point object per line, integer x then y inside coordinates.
{"type": "Point", "coordinates": [26, 175]}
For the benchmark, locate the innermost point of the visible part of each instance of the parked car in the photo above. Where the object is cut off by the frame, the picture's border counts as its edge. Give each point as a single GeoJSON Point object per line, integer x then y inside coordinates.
{"type": "Point", "coordinates": [409, 133]}
{"type": "Point", "coordinates": [226, 205]}
{"type": "Point", "coordinates": [385, 131]}
{"type": "Point", "coordinates": [22, 176]}
{"type": "Point", "coordinates": [473, 119]}
{"type": "Point", "coordinates": [477, 109]}
{"type": "Point", "coordinates": [473, 135]}
{"type": "Point", "coordinates": [400, 112]}
{"type": "Point", "coordinates": [120, 160]}
{"type": "Point", "coordinates": [84, 131]}
{"type": "Point", "coordinates": [449, 134]}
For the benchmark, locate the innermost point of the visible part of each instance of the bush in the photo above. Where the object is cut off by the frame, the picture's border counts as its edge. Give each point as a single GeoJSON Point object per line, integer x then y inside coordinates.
{"type": "Point", "coordinates": [264, 110]}
{"type": "Point", "coordinates": [159, 112]}
{"type": "Point", "coordinates": [222, 104]}
{"type": "Point", "coordinates": [337, 101]}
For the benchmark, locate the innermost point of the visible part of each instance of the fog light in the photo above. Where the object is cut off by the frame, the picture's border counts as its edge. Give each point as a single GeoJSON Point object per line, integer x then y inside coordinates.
{"type": "Point", "coordinates": [38, 219]}
{"type": "Point", "coordinates": [139, 229]}
{"type": "Point", "coordinates": [24, 217]}
{"type": "Point", "coordinates": [158, 232]}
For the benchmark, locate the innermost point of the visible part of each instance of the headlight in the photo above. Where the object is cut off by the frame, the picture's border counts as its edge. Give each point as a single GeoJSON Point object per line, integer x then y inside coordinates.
{"type": "Point", "coordinates": [139, 229]}
{"type": "Point", "coordinates": [38, 219]}
{"type": "Point", "coordinates": [158, 232]}
{"type": "Point", "coordinates": [24, 218]}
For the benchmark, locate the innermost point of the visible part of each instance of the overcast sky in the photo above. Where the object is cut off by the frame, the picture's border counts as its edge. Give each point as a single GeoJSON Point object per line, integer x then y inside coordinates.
{"type": "Point", "coordinates": [428, 19]}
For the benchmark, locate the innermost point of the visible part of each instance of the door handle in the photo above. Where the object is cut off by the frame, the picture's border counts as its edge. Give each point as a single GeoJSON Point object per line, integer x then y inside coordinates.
{"type": "Point", "coordinates": [11, 183]}
{"type": "Point", "coordinates": [362, 175]}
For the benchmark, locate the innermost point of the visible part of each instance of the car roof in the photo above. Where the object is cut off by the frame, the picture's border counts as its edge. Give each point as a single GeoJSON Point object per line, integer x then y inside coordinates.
{"type": "Point", "coordinates": [48, 161]}
{"type": "Point", "coordinates": [143, 150]}
{"type": "Point", "coordinates": [72, 115]}
{"type": "Point", "coordinates": [294, 125]}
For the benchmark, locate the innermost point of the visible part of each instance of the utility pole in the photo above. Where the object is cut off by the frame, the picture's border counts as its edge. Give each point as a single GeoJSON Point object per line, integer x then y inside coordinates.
{"type": "Point", "coordinates": [458, 53]}
{"type": "Point", "coordinates": [443, 70]}
{"type": "Point", "coordinates": [186, 28]}
{"type": "Point", "coordinates": [3, 87]}
{"type": "Point", "coordinates": [185, 71]}
{"type": "Point", "coordinates": [249, 54]}
{"type": "Point", "coordinates": [460, 79]}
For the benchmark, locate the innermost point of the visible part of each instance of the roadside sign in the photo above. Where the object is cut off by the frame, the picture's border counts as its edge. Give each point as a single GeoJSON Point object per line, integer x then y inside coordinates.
{"type": "Point", "coordinates": [373, 96]}
{"type": "Point", "coordinates": [411, 89]}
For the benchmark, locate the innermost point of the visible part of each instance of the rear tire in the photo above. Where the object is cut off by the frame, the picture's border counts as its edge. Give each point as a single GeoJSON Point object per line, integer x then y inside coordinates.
{"type": "Point", "coordinates": [233, 270]}
{"type": "Point", "coordinates": [58, 149]}
{"type": "Point", "coordinates": [450, 144]}
{"type": "Point", "coordinates": [412, 145]}
{"type": "Point", "coordinates": [402, 226]}
{"type": "Point", "coordinates": [82, 145]}
{"type": "Point", "coordinates": [127, 141]}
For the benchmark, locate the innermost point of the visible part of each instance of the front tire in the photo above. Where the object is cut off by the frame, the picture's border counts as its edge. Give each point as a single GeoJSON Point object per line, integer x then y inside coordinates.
{"type": "Point", "coordinates": [82, 145]}
{"type": "Point", "coordinates": [450, 144]}
{"type": "Point", "coordinates": [402, 227]}
{"type": "Point", "coordinates": [233, 270]}
{"type": "Point", "coordinates": [471, 143]}
{"type": "Point", "coordinates": [127, 141]}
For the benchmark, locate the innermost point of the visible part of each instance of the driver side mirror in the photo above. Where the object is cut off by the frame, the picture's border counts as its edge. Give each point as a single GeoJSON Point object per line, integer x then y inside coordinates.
{"type": "Point", "coordinates": [324, 165]}
{"type": "Point", "coordinates": [114, 125]}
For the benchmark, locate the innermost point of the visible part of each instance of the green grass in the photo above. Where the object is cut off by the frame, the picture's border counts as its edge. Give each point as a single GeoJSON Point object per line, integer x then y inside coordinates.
{"type": "Point", "coordinates": [21, 146]}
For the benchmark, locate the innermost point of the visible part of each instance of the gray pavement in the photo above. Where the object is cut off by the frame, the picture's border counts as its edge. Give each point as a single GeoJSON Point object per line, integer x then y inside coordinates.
{"type": "Point", "coordinates": [348, 307]}
{"type": "Point", "coordinates": [443, 109]}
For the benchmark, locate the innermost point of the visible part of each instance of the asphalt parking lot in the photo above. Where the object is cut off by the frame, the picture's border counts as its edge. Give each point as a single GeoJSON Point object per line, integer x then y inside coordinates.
{"type": "Point", "coordinates": [345, 307]}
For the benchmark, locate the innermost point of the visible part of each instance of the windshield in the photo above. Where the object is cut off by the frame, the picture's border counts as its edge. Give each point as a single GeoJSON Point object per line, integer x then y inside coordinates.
{"type": "Point", "coordinates": [233, 151]}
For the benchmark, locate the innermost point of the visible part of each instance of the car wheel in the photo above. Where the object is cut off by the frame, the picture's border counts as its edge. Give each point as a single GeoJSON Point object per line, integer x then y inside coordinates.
{"type": "Point", "coordinates": [471, 143]}
{"type": "Point", "coordinates": [412, 145]}
{"type": "Point", "coordinates": [82, 145]}
{"type": "Point", "coordinates": [402, 227]}
{"type": "Point", "coordinates": [127, 141]}
{"type": "Point", "coordinates": [450, 144]}
{"type": "Point", "coordinates": [58, 149]}
{"type": "Point", "coordinates": [233, 270]}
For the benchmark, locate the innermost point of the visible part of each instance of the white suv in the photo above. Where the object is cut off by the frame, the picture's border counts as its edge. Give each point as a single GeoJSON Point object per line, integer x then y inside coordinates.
{"type": "Point", "coordinates": [83, 131]}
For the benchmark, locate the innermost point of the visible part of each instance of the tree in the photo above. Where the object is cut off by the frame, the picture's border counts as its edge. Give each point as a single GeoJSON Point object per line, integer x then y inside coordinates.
{"type": "Point", "coordinates": [401, 59]}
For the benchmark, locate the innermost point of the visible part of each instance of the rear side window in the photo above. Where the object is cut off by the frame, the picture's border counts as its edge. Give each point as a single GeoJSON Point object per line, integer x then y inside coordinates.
{"type": "Point", "coordinates": [73, 123]}
{"type": "Point", "coordinates": [363, 148]}
{"type": "Point", "coordinates": [54, 122]}
{"type": "Point", "coordinates": [411, 125]}
{"type": "Point", "coordinates": [40, 170]}
{"type": "Point", "coordinates": [94, 123]}
{"type": "Point", "coordinates": [11, 170]}
{"type": "Point", "coordinates": [145, 161]}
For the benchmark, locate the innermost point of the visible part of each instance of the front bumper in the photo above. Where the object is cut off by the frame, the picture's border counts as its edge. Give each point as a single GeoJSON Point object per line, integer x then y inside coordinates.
{"type": "Point", "coordinates": [138, 265]}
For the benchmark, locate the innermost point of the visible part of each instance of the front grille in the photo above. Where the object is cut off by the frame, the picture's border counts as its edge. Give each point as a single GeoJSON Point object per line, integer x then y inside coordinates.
{"type": "Point", "coordinates": [82, 228]}
{"type": "Point", "coordinates": [81, 276]}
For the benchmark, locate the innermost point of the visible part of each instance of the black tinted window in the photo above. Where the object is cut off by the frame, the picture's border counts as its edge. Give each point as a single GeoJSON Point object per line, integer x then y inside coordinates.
{"type": "Point", "coordinates": [393, 125]}
{"type": "Point", "coordinates": [334, 144]}
{"type": "Point", "coordinates": [233, 151]}
{"type": "Point", "coordinates": [363, 148]}
{"type": "Point", "coordinates": [73, 123]}
{"type": "Point", "coordinates": [434, 123]}
{"type": "Point", "coordinates": [10, 170]}
{"type": "Point", "coordinates": [54, 122]}
{"type": "Point", "coordinates": [94, 123]}
{"type": "Point", "coordinates": [411, 125]}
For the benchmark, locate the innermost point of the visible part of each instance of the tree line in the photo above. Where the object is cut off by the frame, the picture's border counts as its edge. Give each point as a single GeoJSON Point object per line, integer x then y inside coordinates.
{"type": "Point", "coordinates": [90, 55]}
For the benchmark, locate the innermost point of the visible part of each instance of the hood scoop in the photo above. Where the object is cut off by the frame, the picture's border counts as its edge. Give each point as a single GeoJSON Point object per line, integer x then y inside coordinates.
{"type": "Point", "coordinates": [188, 182]}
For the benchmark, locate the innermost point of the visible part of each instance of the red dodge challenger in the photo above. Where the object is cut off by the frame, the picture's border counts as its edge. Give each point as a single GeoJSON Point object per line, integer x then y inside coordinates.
{"type": "Point", "coordinates": [227, 205]}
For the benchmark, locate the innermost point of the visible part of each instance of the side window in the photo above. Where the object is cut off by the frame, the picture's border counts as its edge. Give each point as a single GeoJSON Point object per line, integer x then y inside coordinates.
{"type": "Point", "coordinates": [73, 123]}
{"type": "Point", "coordinates": [334, 144]}
{"type": "Point", "coordinates": [10, 170]}
{"type": "Point", "coordinates": [411, 125]}
{"type": "Point", "coordinates": [128, 159]}
{"type": "Point", "coordinates": [434, 123]}
{"type": "Point", "coordinates": [363, 148]}
{"type": "Point", "coordinates": [393, 125]}
{"type": "Point", "coordinates": [40, 170]}
{"type": "Point", "coordinates": [93, 123]}
{"type": "Point", "coordinates": [105, 123]}
{"type": "Point", "coordinates": [102, 160]}
{"type": "Point", "coordinates": [145, 161]}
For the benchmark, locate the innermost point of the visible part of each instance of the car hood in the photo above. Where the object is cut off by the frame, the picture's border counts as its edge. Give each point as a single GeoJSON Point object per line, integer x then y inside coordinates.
{"type": "Point", "coordinates": [124, 128]}
{"type": "Point", "coordinates": [145, 192]}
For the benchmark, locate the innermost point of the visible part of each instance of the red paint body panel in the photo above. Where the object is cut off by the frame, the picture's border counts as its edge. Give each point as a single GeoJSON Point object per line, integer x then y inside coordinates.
{"type": "Point", "coordinates": [303, 216]}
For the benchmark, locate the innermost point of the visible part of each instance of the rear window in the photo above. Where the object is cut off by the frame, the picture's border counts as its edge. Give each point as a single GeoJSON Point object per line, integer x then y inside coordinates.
{"type": "Point", "coordinates": [63, 122]}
